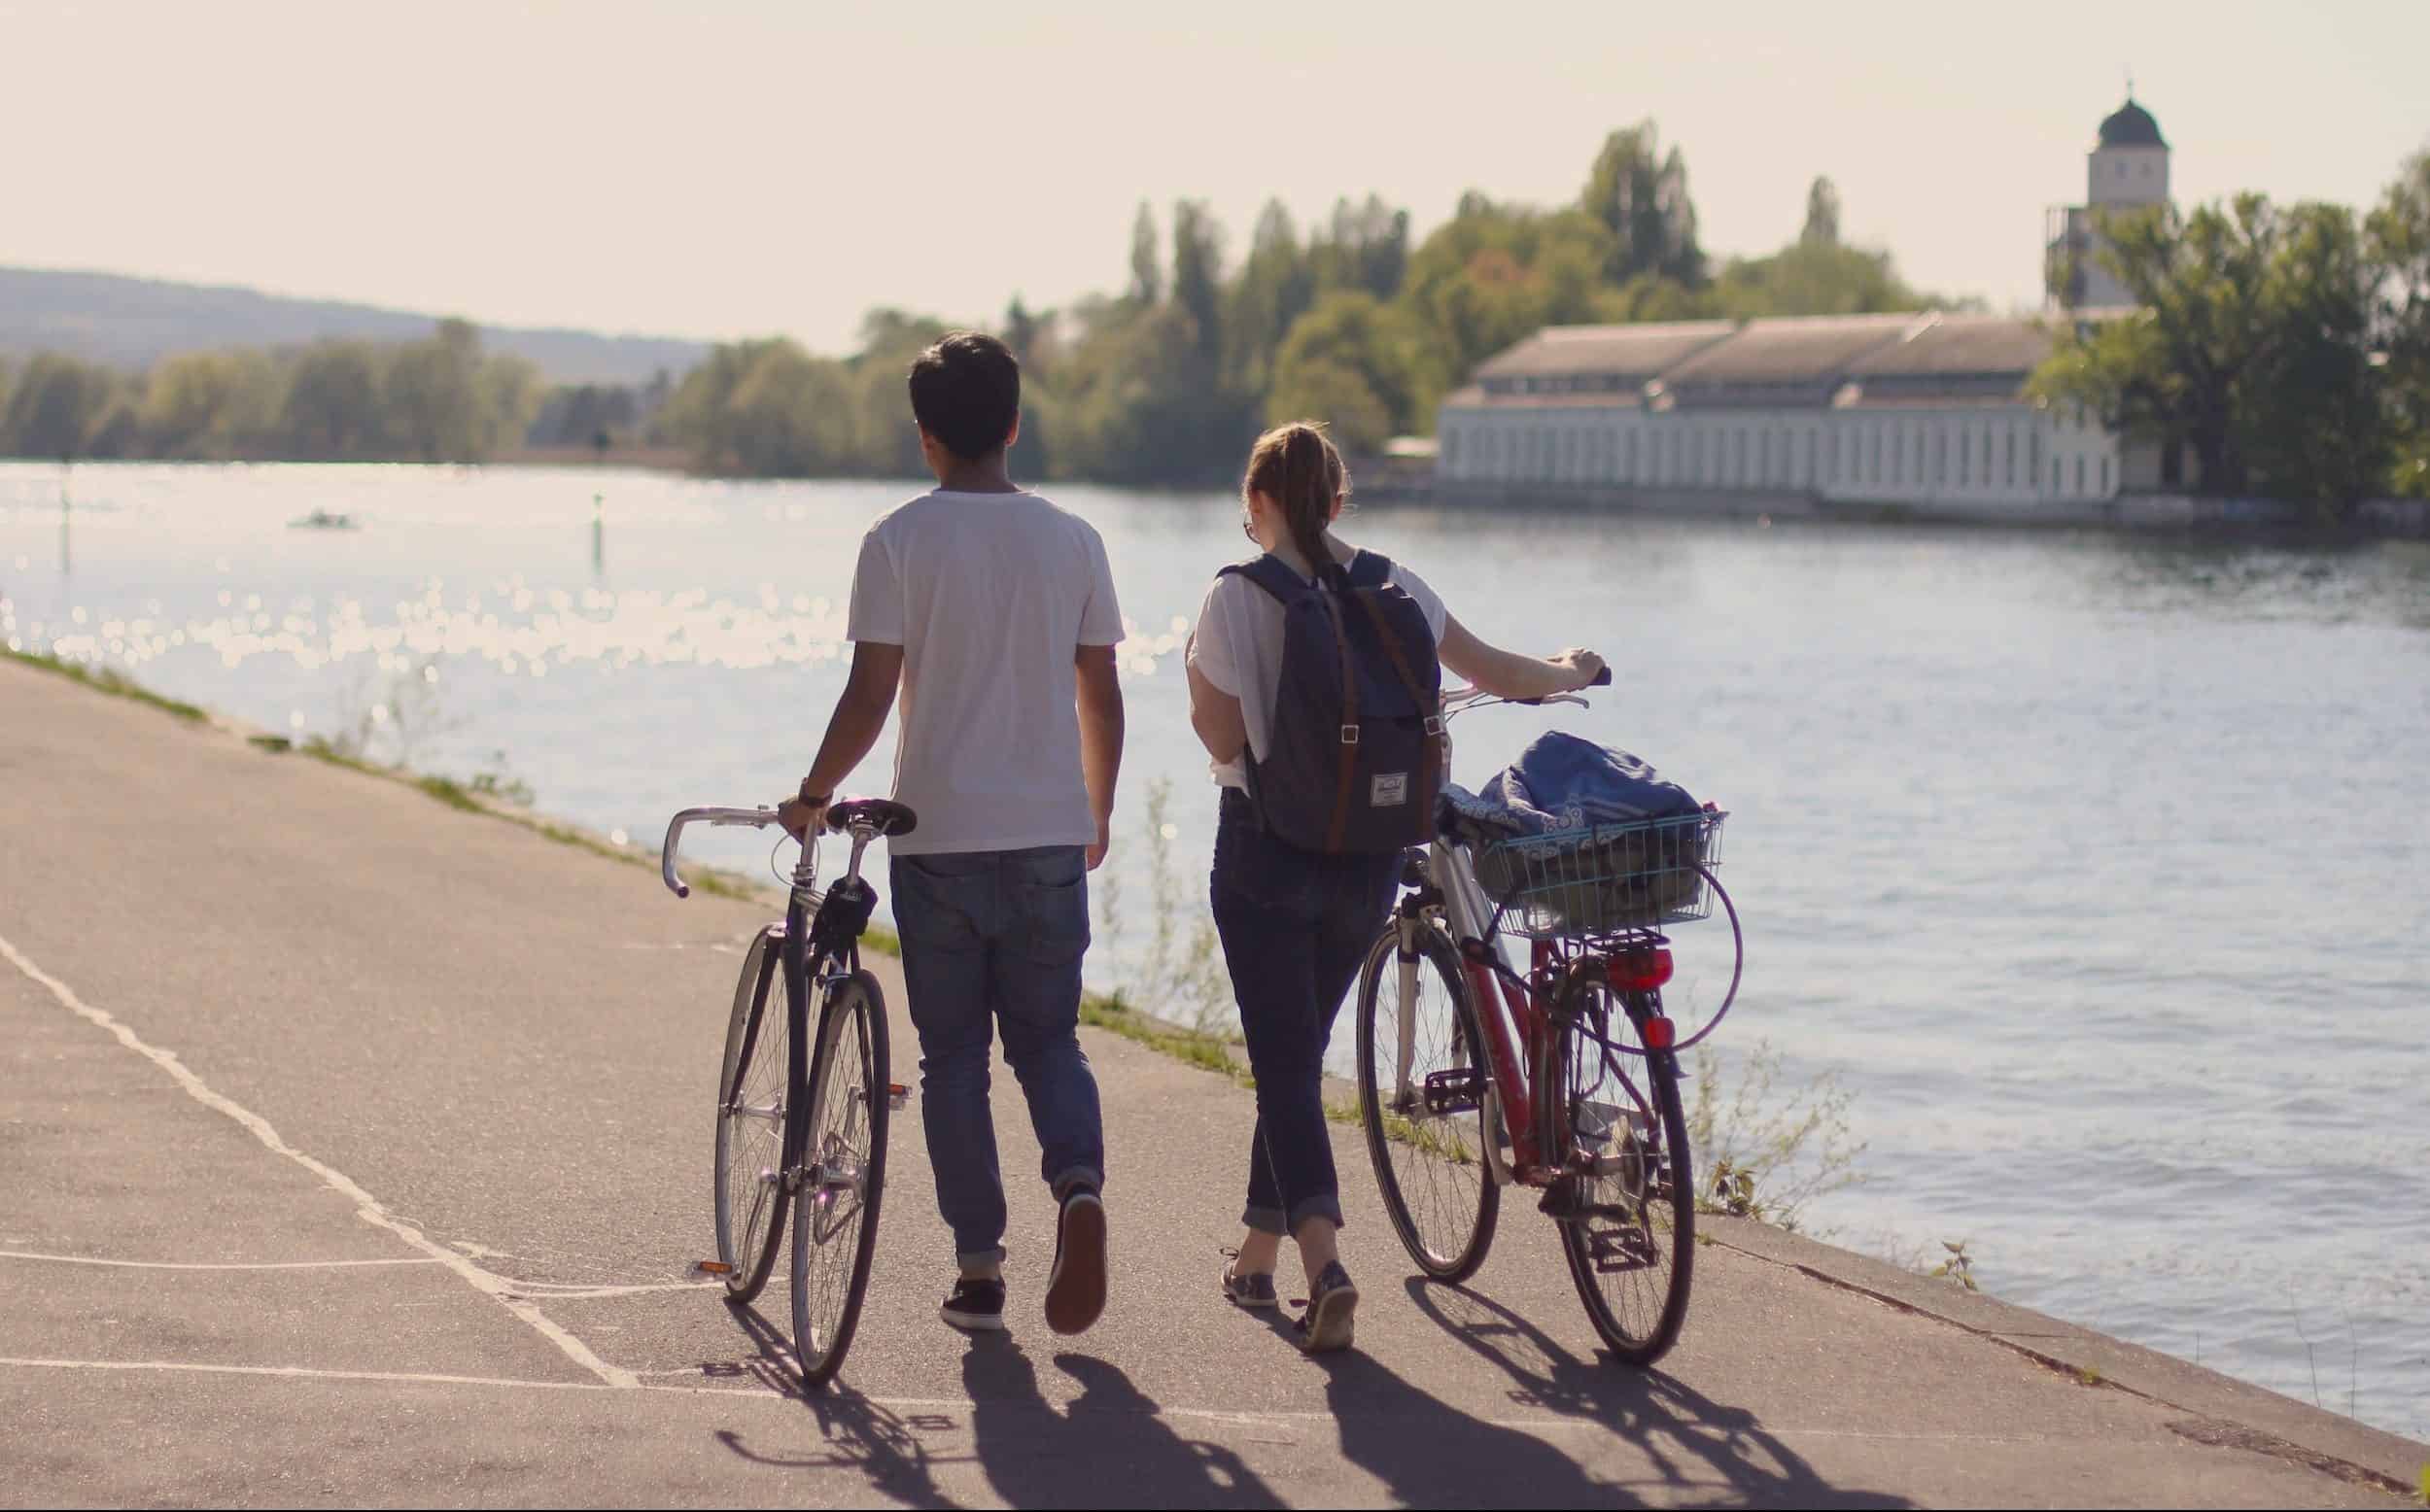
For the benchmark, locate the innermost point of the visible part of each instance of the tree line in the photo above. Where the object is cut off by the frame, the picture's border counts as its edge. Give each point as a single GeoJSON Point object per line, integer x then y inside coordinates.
{"type": "Point", "coordinates": [2284, 348]}
{"type": "Point", "coordinates": [1169, 379]}
{"type": "Point", "coordinates": [438, 400]}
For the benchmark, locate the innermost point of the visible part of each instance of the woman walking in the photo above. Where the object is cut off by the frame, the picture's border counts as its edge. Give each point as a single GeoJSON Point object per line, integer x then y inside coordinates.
{"type": "Point", "coordinates": [1296, 919]}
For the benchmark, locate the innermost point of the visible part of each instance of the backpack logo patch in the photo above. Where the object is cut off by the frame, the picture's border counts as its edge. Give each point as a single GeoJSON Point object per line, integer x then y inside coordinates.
{"type": "Point", "coordinates": [1388, 790]}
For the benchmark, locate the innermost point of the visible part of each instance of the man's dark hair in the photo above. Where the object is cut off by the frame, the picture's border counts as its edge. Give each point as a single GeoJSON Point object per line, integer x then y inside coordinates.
{"type": "Point", "coordinates": [965, 391]}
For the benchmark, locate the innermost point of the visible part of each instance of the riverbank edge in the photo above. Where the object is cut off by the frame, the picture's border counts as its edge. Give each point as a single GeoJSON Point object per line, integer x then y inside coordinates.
{"type": "Point", "coordinates": [2220, 1409]}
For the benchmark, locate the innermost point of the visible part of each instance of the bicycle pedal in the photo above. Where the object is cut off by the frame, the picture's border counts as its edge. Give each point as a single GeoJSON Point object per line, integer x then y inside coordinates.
{"type": "Point", "coordinates": [897, 1095]}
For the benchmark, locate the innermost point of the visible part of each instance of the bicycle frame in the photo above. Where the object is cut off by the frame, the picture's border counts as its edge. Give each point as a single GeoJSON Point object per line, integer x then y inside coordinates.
{"type": "Point", "coordinates": [1513, 1011]}
{"type": "Point", "coordinates": [794, 943]}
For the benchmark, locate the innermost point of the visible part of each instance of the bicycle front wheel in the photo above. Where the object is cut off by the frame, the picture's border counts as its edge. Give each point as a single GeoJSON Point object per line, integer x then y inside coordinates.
{"type": "Point", "coordinates": [750, 1124]}
{"type": "Point", "coordinates": [1628, 1227]}
{"type": "Point", "coordinates": [1423, 1071]}
{"type": "Point", "coordinates": [834, 1219]}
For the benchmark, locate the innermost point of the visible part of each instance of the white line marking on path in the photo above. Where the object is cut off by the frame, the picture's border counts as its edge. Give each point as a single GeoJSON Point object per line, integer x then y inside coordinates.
{"type": "Point", "coordinates": [570, 1291]}
{"type": "Point", "coordinates": [86, 1260]}
{"type": "Point", "coordinates": [953, 1404]}
{"type": "Point", "coordinates": [366, 1207]}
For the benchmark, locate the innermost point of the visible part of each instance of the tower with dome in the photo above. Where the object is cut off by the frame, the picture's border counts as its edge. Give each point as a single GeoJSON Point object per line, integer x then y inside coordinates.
{"type": "Point", "coordinates": [2127, 170]}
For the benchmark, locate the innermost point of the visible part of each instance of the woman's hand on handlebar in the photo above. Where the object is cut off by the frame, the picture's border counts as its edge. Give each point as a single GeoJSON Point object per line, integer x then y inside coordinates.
{"type": "Point", "coordinates": [1588, 667]}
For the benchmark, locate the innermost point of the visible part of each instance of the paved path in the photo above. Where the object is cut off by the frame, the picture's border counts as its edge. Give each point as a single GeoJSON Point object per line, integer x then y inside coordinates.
{"type": "Point", "coordinates": [355, 1148]}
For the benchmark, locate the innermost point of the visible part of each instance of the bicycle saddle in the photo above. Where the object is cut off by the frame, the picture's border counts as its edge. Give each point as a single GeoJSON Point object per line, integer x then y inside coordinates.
{"type": "Point", "coordinates": [881, 814]}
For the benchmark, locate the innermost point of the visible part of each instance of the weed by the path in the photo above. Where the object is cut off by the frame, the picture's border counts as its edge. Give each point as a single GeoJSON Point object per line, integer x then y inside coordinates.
{"type": "Point", "coordinates": [1770, 1155]}
{"type": "Point", "coordinates": [106, 679]}
{"type": "Point", "coordinates": [1959, 1267]}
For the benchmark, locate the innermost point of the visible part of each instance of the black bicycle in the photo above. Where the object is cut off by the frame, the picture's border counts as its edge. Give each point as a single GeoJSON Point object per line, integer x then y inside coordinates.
{"type": "Point", "coordinates": [802, 1103]}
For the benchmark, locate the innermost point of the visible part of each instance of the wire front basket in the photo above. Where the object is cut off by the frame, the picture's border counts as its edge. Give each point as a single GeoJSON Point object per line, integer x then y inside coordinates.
{"type": "Point", "coordinates": [1604, 880]}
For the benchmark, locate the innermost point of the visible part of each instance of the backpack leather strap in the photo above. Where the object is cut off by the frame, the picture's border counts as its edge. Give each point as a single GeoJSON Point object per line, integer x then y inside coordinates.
{"type": "Point", "coordinates": [1348, 751]}
{"type": "Point", "coordinates": [1432, 747]}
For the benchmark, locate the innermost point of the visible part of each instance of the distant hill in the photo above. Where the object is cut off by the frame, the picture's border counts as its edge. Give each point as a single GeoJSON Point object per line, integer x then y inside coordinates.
{"type": "Point", "coordinates": [131, 322]}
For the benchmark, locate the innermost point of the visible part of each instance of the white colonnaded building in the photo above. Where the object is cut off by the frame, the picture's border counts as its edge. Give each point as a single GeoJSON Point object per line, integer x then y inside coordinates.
{"type": "Point", "coordinates": [1925, 411]}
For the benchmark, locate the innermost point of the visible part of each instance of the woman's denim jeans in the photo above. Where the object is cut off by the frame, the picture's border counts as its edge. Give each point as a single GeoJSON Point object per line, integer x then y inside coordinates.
{"type": "Point", "coordinates": [994, 940]}
{"type": "Point", "coordinates": [1296, 927]}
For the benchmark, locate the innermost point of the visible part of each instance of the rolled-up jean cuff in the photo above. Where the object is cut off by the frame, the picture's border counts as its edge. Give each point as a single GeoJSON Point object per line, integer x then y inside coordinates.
{"type": "Point", "coordinates": [1077, 1175]}
{"type": "Point", "coordinates": [1317, 1207]}
{"type": "Point", "coordinates": [981, 1260]}
{"type": "Point", "coordinates": [1264, 1220]}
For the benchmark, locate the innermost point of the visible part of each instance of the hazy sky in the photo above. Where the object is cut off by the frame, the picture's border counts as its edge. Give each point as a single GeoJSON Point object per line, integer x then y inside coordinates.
{"type": "Point", "coordinates": [717, 169]}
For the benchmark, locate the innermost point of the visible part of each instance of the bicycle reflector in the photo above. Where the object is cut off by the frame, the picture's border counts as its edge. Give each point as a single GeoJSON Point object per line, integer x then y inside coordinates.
{"type": "Point", "coordinates": [1661, 1035]}
{"type": "Point", "coordinates": [1642, 969]}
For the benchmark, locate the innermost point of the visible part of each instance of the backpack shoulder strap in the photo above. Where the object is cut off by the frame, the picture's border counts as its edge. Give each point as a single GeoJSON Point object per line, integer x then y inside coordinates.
{"type": "Point", "coordinates": [1271, 573]}
{"type": "Point", "coordinates": [1369, 569]}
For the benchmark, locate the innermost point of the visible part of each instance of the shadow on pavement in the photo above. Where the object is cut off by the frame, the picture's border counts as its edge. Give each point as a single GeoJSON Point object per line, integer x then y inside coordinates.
{"type": "Point", "coordinates": [856, 1433]}
{"type": "Point", "coordinates": [1110, 1448]}
{"type": "Point", "coordinates": [1696, 1446]}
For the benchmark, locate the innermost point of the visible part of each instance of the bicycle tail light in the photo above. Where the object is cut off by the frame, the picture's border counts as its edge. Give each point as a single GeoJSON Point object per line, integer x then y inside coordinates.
{"type": "Point", "coordinates": [1641, 970]}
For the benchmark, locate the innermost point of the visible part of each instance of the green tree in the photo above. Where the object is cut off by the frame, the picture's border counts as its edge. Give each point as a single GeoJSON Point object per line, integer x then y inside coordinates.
{"type": "Point", "coordinates": [1366, 246]}
{"type": "Point", "coordinates": [1822, 226]}
{"type": "Point", "coordinates": [2250, 349]}
{"type": "Point", "coordinates": [332, 407]}
{"type": "Point", "coordinates": [1639, 194]}
{"type": "Point", "coordinates": [1493, 274]}
{"type": "Point", "coordinates": [431, 396]}
{"type": "Point", "coordinates": [59, 408]}
{"type": "Point", "coordinates": [194, 403]}
{"type": "Point", "coordinates": [1147, 278]}
{"type": "Point", "coordinates": [2399, 232]}
{"type": "Point", "coordinates": [1275, 286]}
{"type": "Point", "coordinates": [1354, 361]}
{"type": "Point", "coordinates": [885, 440]}
{"type": "Point", "coordinates": [1199, 285]}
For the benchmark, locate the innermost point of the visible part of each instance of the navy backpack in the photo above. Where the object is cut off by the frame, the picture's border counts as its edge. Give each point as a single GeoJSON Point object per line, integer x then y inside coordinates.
{"type": "Point", "coordinates": [1356, 753]}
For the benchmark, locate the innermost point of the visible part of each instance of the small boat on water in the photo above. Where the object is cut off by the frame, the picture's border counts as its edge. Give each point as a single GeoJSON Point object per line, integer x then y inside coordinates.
{"type": "Point", "coordinates": [323, 519]}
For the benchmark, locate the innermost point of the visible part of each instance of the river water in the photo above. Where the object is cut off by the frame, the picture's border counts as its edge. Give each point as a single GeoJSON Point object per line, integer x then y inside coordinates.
{"type": "Point", "coordinates": [2093, 865]}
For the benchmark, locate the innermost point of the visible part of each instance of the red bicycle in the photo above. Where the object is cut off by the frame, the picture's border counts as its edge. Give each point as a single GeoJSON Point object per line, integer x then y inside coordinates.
{"type": "Point", "coordinates": [1473, 1077]}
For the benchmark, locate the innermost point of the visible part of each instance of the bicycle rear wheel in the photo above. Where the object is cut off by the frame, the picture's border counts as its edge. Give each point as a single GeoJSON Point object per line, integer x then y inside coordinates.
{"type": "Point", "coordinates": [1422, 1079]}
{"type": "Point", "coordinates": [1629, 1231]}
{"type": "Point", "coordinates": [835, 1222]}
{"type": "Point", "coordinates": [751, 1198]}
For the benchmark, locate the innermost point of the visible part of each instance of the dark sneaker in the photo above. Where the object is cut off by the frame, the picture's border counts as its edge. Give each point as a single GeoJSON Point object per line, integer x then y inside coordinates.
{"type": "Point", "coordinates": [1325, 1325]}
{"type": "Point", "coordinates": [1255, 1289]}
{"type": "Point", "coordinates": [1075, 1290]}
{"type": "Point", "coordinates": [977, 1306]}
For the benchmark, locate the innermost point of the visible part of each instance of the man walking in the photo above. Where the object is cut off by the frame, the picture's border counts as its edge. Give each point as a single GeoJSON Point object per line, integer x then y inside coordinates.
{"type": "Point", "coordinates": [992, 612]}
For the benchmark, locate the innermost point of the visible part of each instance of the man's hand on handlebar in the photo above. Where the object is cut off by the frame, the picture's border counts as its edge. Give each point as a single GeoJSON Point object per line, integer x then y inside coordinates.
{"type": "Point", "coordinates": [799, 818]}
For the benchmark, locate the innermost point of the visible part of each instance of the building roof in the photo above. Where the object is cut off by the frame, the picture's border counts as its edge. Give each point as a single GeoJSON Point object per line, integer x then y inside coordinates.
{"type": "Point", "coordinates": [1960, 345]}
{"type": "Point", "coordinates": [2130, 125]}
{"type": "Point", "coordinates": [1840, 360]}
{"type": "Point", "coordinates": [1788, 350]}
{"type": "Point", "coordinates": [1636, 352]}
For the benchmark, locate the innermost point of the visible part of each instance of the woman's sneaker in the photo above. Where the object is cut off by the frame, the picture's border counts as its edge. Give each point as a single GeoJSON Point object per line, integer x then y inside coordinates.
{"type": "Point", "coordinates": [1075, 1289]}
{"type": "Point", "coordinates": [1325, 1325]}
{"type": "Point", "coordinates": [1255, 1289]}
{"type": "Point", "coordinates": [975, 1305]}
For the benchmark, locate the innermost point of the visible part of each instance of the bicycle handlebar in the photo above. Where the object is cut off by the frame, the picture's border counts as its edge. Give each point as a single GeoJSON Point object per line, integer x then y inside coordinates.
{"type": "Point", "coordinates": [1456, 699]}
{"type": "Point", "coordinates": [715, 818]}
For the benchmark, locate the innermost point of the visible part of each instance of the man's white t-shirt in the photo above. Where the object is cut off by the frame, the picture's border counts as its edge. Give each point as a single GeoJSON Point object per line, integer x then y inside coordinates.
{"type": "Point", "coordinates": [989, 595]}
{"type": "Point", "coordinates": [1239, 645]}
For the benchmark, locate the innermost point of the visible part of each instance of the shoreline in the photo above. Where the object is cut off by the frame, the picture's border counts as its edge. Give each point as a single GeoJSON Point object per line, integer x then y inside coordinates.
{"type": "Point", "coordinates": [2224, 1411]}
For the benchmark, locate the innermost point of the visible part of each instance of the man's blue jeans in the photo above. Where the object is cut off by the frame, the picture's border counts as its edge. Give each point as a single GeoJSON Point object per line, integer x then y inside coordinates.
{"type": "Point", "coordinates": [993, 938]}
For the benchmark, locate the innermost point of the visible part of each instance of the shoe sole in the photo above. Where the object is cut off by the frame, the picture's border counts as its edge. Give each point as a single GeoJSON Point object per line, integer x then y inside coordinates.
{"type": "Point", "coordinates": [1330, 1322]}
{"type": "Point", "coordinates": [972, 1322]}
{"type": "Point", "coordinates": [1076, 1296]}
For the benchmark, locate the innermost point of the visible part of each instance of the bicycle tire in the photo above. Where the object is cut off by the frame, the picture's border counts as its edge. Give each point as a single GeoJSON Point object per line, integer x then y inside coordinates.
{"type": "Point", "coordinates": [1452, 1243]}
{"type": "Point", "coordinates": [750, 1147]}
{"type": "Point", "coordinates": [1653, 1177]}
{"type": "Point", "coordinates": [848, 1077]}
